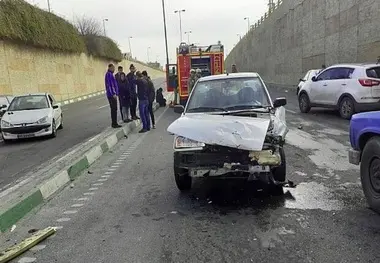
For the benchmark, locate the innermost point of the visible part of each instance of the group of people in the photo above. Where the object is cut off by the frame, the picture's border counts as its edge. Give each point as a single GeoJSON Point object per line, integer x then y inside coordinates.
{"type": "Point", "coordinates": [130, 90]}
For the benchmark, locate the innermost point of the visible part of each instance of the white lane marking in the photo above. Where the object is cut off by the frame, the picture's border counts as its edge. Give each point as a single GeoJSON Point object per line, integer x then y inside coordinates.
{"type": "Point", "coordinates": [37, 248]}
{"type": "Point", "coordinates": [291, 111]}
{"type": "Point", "coordinates": [82, 199]}
{"type": "Point", "coordinates": [64, 219]}
{"type": "Point", "coordinates": [26, 260]}
{"type": "Point", "coordinates": [108, 173]}
{"type": "Point", "coordinates": [101, 107]}
{"type": "Point", "coordinates": [70, 212]}
{"type": "Point", "coordinates": [77, 205]}
{"type": "Point", "coordinates": [102, 180]}
{"type": "Point", "coordinates": [97, 184]}
{"type": "Point", "coordinates": [115, 166]}
{"type": "Point", "coordinates": [93, 189]}
{"type": "Point", "coordinates": [58, 227]}
{"type": "Point", "coordinates": [88, 193]}
{"type": "Point", "coordinates": [111, 169]}
{"type": "Point", "coordinates": [105, 176]}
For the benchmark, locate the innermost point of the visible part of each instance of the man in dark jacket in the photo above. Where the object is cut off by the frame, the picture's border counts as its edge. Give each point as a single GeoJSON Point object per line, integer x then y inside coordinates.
{"type": "Point", "coordinates": [118, 80]}
{"type": "Point", "coordinates": [112, 92]}
{"type": "Point", "coordinates": [143, 96]}
{"type": "Point", "coordinates": [124, 97]}
{"type": "Point", "coordinates": [132, 87]}
{"type": "Point", "coordinates": [151, 97]}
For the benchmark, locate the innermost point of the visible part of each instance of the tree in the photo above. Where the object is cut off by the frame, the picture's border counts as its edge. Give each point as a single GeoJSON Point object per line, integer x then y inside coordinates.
{"type": "Point", "coordinates": [88, 26]}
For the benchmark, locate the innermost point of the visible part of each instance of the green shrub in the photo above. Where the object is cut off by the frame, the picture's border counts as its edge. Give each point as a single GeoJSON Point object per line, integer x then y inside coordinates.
{"type": "Point", "coordinates": [23, 23]}
{"type": "Point", "coordinates": [103, 47]}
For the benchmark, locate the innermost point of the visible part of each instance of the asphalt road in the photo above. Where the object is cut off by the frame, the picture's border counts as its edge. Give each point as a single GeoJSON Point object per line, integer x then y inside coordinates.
{"type": "Point", "coordinates": [82, 120]}
{"type": "Point", "coordinates": [128, 209]}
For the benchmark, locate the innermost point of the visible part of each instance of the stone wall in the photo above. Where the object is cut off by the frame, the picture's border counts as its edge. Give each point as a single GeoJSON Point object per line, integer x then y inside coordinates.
{"type": "Point", "coordinates": [304, 34]}
{"type": "Point", "coordinates": [29, 70]}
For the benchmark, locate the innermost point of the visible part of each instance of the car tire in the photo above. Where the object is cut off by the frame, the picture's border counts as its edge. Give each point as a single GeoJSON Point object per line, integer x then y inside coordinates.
{"type": "Point", "coordinates": [61, 125]}
{"type": "Point", "coordinates": [370, 173]}
{"type": "Point", "coordinates": [54, 130]}
{"type": "Point", "coordinates": [304, 103]}
{"type": "Point", "coordinates": [346, 108]}
{"type": "Point", "coordinates": [182, 177]}
{"type": "Point", "coordinates": [298, 90]}
{"type": "Point", "coordinates": [279, 174]}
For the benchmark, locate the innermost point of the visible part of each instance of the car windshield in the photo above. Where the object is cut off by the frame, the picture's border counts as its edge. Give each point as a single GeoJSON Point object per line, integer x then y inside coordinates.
{"type": "Point", "coordinates": [31, 102]}
{"type": "Point", "coordinates": [228, 94]}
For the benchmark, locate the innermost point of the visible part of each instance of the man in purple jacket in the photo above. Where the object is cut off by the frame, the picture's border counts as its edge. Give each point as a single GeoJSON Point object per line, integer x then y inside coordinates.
{"type": "Point", "coordinates": [112, 92]}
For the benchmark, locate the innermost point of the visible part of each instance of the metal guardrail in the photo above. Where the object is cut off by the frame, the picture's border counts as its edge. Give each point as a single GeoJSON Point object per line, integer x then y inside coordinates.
{"type": "Point", "coordinates": [276, 5]}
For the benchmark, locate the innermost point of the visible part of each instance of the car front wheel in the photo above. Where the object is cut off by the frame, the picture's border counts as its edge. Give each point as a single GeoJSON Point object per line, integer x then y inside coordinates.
{"type": "Point", "coordinates": [279, 174]}
{"type": "Point", "coordinates": [61, 125]}
{"type": "Point", "coordinates": [182, 177]}
{"type": "Point", "coordinates": [370, 173]}
{"type": "Point", "coordinates": [53, 130]}
{"type": "Point", "coordinates": [304, 103]}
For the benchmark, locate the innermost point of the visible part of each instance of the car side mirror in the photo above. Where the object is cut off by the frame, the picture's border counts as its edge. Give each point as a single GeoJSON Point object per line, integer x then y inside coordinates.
{"type": "Point", "coordinates": [179, 109]}
{"type": "Point", "coordinates": [3, 106]}
{"type": "Point", "coordinates": [314, 79]}
{"type": "Point", "coordinates": [279, 102]}
{"type": "Point", "coordinates": [302, 80]}
{"type": "Point", "coordinates": [55, 106]}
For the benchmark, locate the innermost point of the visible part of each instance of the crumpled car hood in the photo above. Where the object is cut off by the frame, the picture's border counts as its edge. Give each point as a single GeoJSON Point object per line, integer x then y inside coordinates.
{"type": "Point", "coordinates": [244, 133]}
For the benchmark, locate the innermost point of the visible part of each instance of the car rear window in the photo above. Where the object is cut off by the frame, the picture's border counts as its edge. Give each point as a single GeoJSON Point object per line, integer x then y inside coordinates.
{"type": "Point", "coordinates": [373, 72]}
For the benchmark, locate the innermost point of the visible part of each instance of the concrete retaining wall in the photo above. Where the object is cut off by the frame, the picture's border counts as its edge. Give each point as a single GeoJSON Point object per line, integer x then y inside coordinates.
{"type": "Point", "coordinates": [27, 70]}
{"type": "Point", "coordinates": [303, 34]}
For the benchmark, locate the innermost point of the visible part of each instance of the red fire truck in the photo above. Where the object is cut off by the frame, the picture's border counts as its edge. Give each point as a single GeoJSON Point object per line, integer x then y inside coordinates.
{"type": "Point", "coordinates": [209, 59]}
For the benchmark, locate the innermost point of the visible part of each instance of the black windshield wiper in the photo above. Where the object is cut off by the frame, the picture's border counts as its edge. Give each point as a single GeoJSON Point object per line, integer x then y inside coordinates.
{"type": "Point", "coordinates": [207, 109]}
{"type": "Point", "coordinates": [246, 107]}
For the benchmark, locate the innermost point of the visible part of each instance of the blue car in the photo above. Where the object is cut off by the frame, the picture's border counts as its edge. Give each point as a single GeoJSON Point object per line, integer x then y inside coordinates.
{"type": "Point", "coordinates": [365, 143]}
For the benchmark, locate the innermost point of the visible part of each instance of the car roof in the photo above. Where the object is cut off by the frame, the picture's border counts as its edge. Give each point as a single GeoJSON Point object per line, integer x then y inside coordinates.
{"type": "Point", "coordinates": [230, 76]}
{"type": "Point", "coordinates": [33, 94]}
{"type": "Point", "coordinates": [357, 65]}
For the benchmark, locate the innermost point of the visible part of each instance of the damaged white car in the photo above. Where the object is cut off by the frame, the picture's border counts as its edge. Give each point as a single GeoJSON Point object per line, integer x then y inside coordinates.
{"type": "Point", "coordinates": [230, 128]}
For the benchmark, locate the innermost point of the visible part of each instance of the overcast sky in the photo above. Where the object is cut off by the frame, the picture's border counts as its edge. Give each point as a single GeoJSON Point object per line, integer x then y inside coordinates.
{"type": "Point", "coordinates": [209, 21]}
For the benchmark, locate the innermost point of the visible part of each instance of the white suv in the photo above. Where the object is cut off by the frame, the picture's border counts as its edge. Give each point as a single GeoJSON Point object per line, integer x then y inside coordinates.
{"type": "Point", "coordinates": [349, 88]}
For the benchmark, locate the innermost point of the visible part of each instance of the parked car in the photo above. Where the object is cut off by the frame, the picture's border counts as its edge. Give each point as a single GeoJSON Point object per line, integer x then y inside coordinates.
{"type": "Point", "coordinates": [32, 115]}
{"type": "Point", "coordinates": [365, 143]}
{"type": "Point", "coordinates": [230, 128]}
{"type": "Point", "coordinates": [349, 88]}
{"type": "Point", "coordinates": [5, 100]}
{"type": "Point", "coordinates": [311, 73]}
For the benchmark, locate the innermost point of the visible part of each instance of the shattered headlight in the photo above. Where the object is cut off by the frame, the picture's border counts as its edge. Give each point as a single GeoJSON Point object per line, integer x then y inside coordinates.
{"type": "Point", "coordinates": [182, 142]}
{"type": "Point", "coordinates": [43, 120]}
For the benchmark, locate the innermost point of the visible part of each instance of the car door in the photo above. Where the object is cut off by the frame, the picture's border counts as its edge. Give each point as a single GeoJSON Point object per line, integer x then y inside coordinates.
{"type": "Point", "coordinates": [325, 86]}
{"type": "Point", "coordinates": [57, 111]}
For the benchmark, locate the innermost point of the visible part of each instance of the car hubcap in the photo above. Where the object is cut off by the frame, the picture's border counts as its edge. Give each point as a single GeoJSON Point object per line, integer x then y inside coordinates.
{"type": "Point", "coordinates": [303, 102]}
{"type": "Point", "coordinates": [346, 108]}
{"type": "Point", "coordinates": [374, 174]}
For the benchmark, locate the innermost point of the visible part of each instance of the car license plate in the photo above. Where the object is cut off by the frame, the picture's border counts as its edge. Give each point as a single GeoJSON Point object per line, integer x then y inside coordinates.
{"type": "Point", "coordinates": [26, 135]}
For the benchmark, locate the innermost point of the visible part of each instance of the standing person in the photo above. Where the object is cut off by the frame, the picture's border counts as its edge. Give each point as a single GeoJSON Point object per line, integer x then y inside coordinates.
{"type": "Point", "coordinates": [112, 93]}
{"type": "Point", "coordinates": [118, 80]}
{"type": "Point", "coordinates": [198, 74]}
{"type": "Point", "coordinates": [191, 81]}
{"type": "Point", "coordinates": [124, 97]}
{"type": "Point", "coordinates": [143, 95]}
{"type": "Point", "coordinates": [132, 87]}
{"type": "Point", "coordinates": [151, 97]}
{"type": "Point", "coordinates": [234, 69]}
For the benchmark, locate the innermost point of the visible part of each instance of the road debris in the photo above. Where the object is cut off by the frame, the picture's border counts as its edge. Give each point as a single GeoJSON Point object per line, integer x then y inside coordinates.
{"type": "Point", "coordinates": [16, 250]}
{"type": "Point", "coordinates": [13, 228]}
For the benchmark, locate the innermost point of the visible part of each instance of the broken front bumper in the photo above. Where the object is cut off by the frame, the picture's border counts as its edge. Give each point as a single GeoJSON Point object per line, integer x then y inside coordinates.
{"type": "Point", "coordinates": [219, 161]}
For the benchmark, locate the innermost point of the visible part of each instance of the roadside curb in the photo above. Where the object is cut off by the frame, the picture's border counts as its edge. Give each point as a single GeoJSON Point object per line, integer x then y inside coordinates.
{"type": "Point", "coordinates": [77, 99]}
{"type": "Point", "coordinates": [52, 185]}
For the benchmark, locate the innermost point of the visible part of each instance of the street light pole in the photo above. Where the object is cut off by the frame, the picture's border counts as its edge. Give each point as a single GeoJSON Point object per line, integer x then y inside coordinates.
{"type": "Point", "coordinates": [239, 36]}
{"type": "Point", "coordinates": [180, 20]}
{"type": "Point", "coordinates": [130, 46]}
{"type": "Point", "coordinates": [166, 37]}
{"type": "Point", "coordinates": [48, 2]}
{"type": "Point", "coordinates": [147, 52]}
{"type": "Point", "coordinates": [188, 36]}
{"type": "Point", "coordinates": [249, 24]}
{"type": "Point", "coordinates": [104, 26]}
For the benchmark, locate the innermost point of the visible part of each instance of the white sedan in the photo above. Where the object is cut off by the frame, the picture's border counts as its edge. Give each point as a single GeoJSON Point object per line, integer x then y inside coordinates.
{"type": "Point", "coordinates": [33, 115]}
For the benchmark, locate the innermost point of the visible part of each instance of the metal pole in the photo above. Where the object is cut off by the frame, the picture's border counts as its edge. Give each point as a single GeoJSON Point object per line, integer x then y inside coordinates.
{"type": "Point", "coordinates": [180, 21]}
{"type": "Point", "coordinates": [104, 26]}
{"type": "Point", "coordinates": [48, 2]}
{"type": "Point", "coordinates": [130, 46]}
{"type": "Point", "coordinates": [188, 36]}
{"type": "Point", "coordinates": [147, 52]}
{"type": "Point", "coordinates": [249, 24]}
{"type": "Point", "coordinates": [166, 37]}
